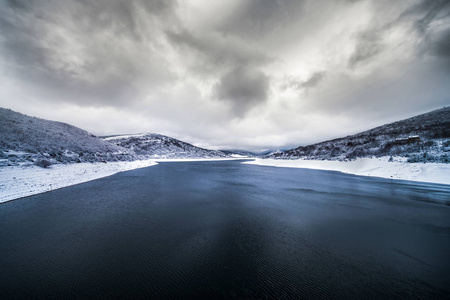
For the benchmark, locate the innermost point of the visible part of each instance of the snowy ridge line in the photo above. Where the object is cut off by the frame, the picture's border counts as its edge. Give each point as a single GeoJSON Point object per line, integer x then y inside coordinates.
{"type": "Point", "coordinates": [22, 181]}
{"type": "Point", "coordinates": [423, 138]}
{"type": "Point", "coordinates": [26, 139]}
{"type": "Point", "coordinates": [123, 136]}
{"type": "Point", "coordinates": [376, 167]}
{"type": "Point", "coordinates": [158, 146]}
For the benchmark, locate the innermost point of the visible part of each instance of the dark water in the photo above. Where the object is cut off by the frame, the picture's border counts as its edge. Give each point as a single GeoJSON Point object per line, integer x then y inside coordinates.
{"type": "Point", "coordinates": [227, 230]}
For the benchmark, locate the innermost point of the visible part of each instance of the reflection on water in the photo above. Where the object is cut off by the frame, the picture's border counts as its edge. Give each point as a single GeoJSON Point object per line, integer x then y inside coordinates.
{"type": "Point", "coordinates": [227, 230]}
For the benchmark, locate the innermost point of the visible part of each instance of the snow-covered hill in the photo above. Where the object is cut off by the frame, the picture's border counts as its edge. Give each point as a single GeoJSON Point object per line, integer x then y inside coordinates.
{"type": "Point", "coordinates": [29, 139]}
{"type": "Point", "coordinates": [152, 145]}
{"type": "Point", "coordinates": [246, 153]}
{"type": "Point", "coordinates": [239, 153]}
{"type": "Point", "coordinates": [423, 138]}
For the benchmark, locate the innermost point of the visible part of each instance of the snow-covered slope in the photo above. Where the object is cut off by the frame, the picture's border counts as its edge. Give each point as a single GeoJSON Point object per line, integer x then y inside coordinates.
{"type": "Point", "coordinates": [239, 153]}
{"type": "Point", "coordinates": [383, 167]}
{"type": "Point", "coordinates": [159, 146]}
{"type": "Point", "coordinates": [423, 138]}
{"type": "Point", "coordinates": [22, 181]}
{"type": "Point", "coordinates": [29, 139]}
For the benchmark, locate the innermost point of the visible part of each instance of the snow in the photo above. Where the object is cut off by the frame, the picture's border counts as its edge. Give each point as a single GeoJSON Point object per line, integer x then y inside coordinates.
{"type": "Point", "coordinates": [157, 146]}
{"type": "Point", "coordinates": [125, 136]}
{"type": "Point", "coordinates": [195, 159]}
{"type": "Point", "coordinates": [238, 156]}
{"type": "Point", "coordinates": [14, 152]}
{"type": "Point", "coordinates": [376, 167]}
{"type": "Point", "coordinates": [26, 180]}
{"type": "Point", "coordinates": [22, 181]}
{"type": "Point", "coordinates": [24, 139]}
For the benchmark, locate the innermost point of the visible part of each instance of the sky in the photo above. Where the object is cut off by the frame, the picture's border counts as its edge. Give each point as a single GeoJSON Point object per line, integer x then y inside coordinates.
{"type": "Point", "coordinates": [235, 74]}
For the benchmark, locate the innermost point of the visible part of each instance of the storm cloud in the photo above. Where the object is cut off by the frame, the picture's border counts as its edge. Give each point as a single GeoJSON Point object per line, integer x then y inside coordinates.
{"type": "Point", "coordinates": [253, 74]}
{"type": "Point", "coordinates": [244, 88]}
{"type": "Point", "coordinates": [91, 52]}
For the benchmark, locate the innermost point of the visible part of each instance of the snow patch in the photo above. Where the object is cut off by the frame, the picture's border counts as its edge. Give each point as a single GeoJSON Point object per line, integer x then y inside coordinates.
{"type": "Point", "coordinates": [125, 136]}
{"type": "Point", "coordinates": [22, 181]}
{"type": "Point", "coordinates": [376, 167]}
{"type": "Point", "coordinates": [26, 180]}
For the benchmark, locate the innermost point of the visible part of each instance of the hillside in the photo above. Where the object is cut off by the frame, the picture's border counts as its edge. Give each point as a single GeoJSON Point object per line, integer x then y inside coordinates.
{"type": "Point", "coordinates": [247, 153]}
{"type": "Point", "coordinates": [154, 145]}
{"type": "Point", "coordinates": [239, 153]}
{"type": "Point", "coordinates": [28, 139]}
{"type": "Point", "coordinates": [423, 138]}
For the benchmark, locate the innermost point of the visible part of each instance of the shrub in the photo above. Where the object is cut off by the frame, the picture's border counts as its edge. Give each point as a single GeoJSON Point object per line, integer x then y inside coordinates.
{"type": "Point", "coordinates": [43, 163]}
{"type": "Point", "coordinates": [429, 143]}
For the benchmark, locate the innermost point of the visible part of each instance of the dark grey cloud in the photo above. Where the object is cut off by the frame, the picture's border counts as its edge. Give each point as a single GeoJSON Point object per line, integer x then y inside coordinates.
{"type": "Point", "coordinates": [390, 72]}
{"type": "Point", "coordinates": [244, 88]}
{"type": "Point", "coordinates": [441, 46]}
{"type": "Point", "coordinates": [123, 17]}
{"type": "Point", "coordinates": [297, 84]}
{"type": "Point", "coordinates": [236, 64]}
{"type": "Point", "coordinates": [368, 45]}
{"type": "Point", "coordinates": [215, 52]}
{"type": "Point", "coordinates": [313, 81]}
{"type": "Point", "coordinates": [435, 38]}
{"type": "Point", "coordinates": [76, 50]}
{"type": "Point", "coordinates": [17, 4]}
{"type": "Point", "coordinates": [258, 17]}
{"type": "Point", "coordinates": [427, 11]}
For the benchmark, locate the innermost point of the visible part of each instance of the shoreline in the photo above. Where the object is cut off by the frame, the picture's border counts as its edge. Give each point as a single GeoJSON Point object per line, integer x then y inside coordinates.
{"type": "Point", "coordinates": [22, 181]}
{"type": "Point", "coordinates": [375, 167]}
{"type": "Point", "coordinates": [27, 180]}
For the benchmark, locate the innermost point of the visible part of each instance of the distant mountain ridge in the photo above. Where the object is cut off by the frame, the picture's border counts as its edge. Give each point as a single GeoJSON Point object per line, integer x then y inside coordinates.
{"type": "Point", "coordinates": [247, 153]}
{"type": "Point", "coordinates": [239, 152]}
{"type": "Point", "coordinates": [423, 138]}
{"type": "Point", "coordinates": [153, 145]}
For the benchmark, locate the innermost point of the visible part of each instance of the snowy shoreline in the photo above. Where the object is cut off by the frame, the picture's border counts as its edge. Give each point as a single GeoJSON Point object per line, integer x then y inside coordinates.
{"type": "Point", "coordinates": [375, 167]}
{"type": "Point", "coordinates": [27, 180]}
{"type": "Point", "coordinates": [22, 181]}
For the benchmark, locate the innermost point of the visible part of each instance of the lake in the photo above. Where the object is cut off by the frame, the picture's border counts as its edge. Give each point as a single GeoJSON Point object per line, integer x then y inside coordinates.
{"type": "Point", "coordinates": [225, 230]}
